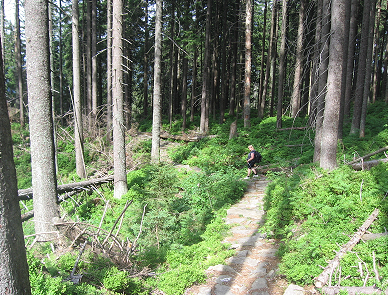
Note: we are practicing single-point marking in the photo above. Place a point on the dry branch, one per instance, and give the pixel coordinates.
(351, 290)
(184, 137)
(26, 194)
(322, 279)
(292, 128)
(368, 237)
(368, 155)
(367, 165)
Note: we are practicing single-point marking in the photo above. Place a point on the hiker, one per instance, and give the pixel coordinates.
(251, 160)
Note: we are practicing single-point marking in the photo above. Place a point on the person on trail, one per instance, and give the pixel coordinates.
(251, 160)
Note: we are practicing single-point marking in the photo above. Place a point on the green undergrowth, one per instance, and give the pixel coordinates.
(177, 216)
(314, 212)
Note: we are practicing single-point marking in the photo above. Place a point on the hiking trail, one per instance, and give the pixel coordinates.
(252, 271)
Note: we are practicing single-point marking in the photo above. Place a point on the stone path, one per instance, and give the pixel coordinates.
(252, 270)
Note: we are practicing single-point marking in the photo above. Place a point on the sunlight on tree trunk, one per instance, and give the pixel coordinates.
(156, 116)
(119, 155)
(44, 181)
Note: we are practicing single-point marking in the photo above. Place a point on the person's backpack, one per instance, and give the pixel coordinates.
(258, 157)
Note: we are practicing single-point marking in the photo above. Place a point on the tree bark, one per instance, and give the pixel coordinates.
(233, 67)
(44, 179)
(204, 122)
(19, 66)
(323, 69)
(94, 62)
(14, 277)
(295, 98)
(248, 62)
(78, 129)
(156, 115)
(270, 54)
(145, 62)
(350, 59)
(119, 155)
(109, 100)
(261, 102)
(368, 70)
(282, 57)
(357, 107)
(224, 83)
(334, 86)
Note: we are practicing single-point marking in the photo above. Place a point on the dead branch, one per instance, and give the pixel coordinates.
(367, 165)
(26, 194)
(368, 237)
(117, 220)
(292, 128)
(351, 290)
(322, 279)
(140, 230)
(368, 155)
(78, 258)
(377, 276)
(184, 137)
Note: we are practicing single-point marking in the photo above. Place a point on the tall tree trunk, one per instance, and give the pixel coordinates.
(14, 277)
(185, 68)
(145, 62)
(282, 57)
(19, 66)
(350, 58)
(119, 156)
(78, 129)
(271, 49)
(2, 31)
(248, 62)
(204, 122)
(368, 69)
(261, 103)
(44, 181)
(94, 63)
(60, 68)
(377, 61)
(233, 67)
(109, 71)
(172, 73)
(273, 65)
(194, 84)
(358, 96)
(224, 83)
(323, 70)
(334, 83)
(88, 65)
(156, 115)
(347, 9)
(295, 98)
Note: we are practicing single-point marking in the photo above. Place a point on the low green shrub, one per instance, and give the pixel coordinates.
(314, 212)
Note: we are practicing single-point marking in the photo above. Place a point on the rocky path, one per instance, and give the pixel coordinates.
(252, 271)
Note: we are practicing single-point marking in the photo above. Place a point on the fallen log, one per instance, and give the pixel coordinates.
(292, 128)
(367, 165)
(185, 138)
(322, 279)
(369, 237)
(368, 155)
(26, 194)
(351, 290)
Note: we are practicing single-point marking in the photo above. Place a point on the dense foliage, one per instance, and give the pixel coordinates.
(177, 212)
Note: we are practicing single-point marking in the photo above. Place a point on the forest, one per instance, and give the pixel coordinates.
(124, 127)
